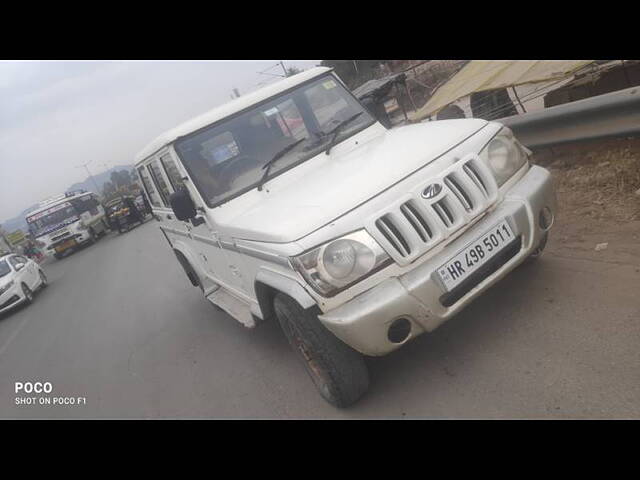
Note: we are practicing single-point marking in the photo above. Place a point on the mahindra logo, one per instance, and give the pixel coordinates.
(432, 191)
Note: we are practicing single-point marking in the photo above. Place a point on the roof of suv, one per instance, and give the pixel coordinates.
(227, 109)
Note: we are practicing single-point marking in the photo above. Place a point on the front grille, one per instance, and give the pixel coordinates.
(408, 230)
(60, 237)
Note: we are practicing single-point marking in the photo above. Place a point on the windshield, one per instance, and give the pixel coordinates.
(226, 159)
(4, 268)
(52, 219)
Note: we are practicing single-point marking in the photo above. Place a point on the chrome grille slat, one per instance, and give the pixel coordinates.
(393, 236)
(417, 221)
(459, 192)
(475, 177)
(443, 212)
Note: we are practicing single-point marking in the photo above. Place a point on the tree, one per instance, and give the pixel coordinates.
(108, 189)
(292, 71)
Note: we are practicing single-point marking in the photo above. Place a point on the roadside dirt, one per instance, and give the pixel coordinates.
(598, 188)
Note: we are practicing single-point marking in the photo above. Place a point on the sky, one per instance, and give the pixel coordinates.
(58, 115)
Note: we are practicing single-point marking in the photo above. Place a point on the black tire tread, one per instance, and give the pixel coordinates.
(344, 366)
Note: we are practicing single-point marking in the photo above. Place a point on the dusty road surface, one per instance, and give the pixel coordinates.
(121, 327)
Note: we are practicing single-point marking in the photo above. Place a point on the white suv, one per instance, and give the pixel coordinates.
(20, 277)
(294, 203)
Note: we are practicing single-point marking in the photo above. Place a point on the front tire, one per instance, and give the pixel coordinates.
(43, 280)
(28, 294)
(92, 236)
(338, 372)
(537, 253)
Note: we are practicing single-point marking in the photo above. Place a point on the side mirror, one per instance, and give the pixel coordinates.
(182, 205)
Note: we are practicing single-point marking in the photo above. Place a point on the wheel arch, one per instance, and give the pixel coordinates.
(188, 260)
(268, 283)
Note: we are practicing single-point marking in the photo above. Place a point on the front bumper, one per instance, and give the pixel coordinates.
(419, 295)
(11, 298)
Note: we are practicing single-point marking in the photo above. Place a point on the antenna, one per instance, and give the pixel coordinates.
(86, 167)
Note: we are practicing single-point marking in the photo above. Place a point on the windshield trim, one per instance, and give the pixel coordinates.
(282, 170)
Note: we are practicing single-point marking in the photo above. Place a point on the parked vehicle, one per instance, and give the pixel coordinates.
(20, 277)
(123, 213)
(65, 222)
(356, 238)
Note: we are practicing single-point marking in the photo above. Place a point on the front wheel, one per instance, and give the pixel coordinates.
(28, 294)
(338, 372)
(43, 280)
(92, 237)
(537, 253)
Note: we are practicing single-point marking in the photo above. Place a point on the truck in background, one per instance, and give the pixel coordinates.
(66, 222)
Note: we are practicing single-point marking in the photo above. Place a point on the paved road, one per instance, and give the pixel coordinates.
(121, 326)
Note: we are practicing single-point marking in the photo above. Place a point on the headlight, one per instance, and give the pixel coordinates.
(504, 155)
(6, 287)
(340, 263)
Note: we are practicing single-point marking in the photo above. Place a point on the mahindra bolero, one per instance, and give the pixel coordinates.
(293, 203)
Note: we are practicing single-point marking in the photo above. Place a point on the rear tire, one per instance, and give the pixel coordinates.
(338, 371)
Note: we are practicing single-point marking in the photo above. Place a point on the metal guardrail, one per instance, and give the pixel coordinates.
(610, 115)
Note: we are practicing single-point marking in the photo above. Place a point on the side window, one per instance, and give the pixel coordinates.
(16, 260)
(172, 172)
(163, 188)
(153, 196)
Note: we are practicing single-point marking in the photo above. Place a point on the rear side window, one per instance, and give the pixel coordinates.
(154, 198)
(163, 188)
(172, 172)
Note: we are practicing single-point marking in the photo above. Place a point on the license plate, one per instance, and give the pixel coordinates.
(68, 244)
(474, 255)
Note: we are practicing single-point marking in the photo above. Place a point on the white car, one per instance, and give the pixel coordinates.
(293, 203)
(20, 277)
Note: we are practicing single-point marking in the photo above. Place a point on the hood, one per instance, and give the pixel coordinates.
(316, 192)
(6, 279)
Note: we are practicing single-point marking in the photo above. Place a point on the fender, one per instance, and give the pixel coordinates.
(191, 257)
(267, 280)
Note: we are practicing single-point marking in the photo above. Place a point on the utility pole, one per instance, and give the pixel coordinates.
(86, 167)
(284, 70)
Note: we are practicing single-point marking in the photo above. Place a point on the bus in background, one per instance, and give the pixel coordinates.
(65, 222)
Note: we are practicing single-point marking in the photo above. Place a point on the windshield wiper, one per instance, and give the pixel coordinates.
(337, 128)
(267, 166)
